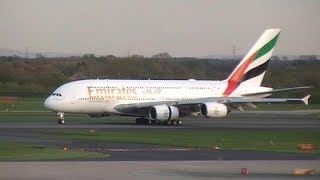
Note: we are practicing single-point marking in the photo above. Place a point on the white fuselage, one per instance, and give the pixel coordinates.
(100, 96)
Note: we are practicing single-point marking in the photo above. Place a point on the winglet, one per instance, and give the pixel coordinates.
(306, 99)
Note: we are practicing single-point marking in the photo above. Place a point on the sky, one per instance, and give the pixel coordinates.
(193, 28)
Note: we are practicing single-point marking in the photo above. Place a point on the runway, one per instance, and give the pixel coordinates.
(152, 161)
(34, 132)
(156, 170)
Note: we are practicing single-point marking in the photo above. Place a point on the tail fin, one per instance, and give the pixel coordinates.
(253, 66)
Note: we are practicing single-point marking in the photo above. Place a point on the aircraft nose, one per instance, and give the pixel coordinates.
(49, 104)
(53, 104)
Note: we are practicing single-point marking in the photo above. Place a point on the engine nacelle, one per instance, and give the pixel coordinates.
(163, 112)
(213, 109)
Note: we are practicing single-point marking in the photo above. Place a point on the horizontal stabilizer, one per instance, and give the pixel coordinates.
(276, 91)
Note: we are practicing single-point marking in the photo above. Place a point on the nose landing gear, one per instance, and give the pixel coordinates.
(61, 118)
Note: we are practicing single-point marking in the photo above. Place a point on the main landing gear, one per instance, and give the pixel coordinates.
(61, 118)
(142, 120)
(173, 122)
(146, 121)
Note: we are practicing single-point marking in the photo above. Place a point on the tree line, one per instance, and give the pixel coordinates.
(39, 76)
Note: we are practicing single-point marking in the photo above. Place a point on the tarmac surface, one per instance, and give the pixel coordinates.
(147, 161)
(157, 170)
(33, 132)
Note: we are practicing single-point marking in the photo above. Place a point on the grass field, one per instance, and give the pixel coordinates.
(36, 104)
(24, 104)
(10, 151)
(261, 140)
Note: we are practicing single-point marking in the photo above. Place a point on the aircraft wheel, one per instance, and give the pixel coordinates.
(138, 121)
(61, 117)
(142, 121)
(61, 121)
(145, 120)
(174, 122)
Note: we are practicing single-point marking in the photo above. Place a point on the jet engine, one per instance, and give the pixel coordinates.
(213, 110)
(163, 112)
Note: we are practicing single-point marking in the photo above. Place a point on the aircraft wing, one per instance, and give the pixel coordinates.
(235, 100)
(276, 91)
(222, 100)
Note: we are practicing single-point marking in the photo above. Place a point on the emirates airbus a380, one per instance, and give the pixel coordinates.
(165, 101)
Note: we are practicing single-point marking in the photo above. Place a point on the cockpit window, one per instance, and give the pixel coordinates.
(56, 94)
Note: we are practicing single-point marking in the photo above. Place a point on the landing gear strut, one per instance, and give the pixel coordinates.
(61, 118)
